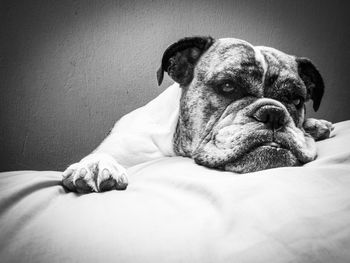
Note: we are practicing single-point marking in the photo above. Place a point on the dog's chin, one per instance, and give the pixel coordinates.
(262, 158)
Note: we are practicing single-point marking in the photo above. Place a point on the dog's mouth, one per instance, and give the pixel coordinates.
(268, 147)
(263, 156)
(258, 150)
(273, 145)
(266, 156)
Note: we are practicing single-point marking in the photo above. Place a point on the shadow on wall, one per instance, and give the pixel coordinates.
(70, 69)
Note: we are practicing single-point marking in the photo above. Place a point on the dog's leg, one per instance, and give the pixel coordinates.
(318, 129)
(142, 135)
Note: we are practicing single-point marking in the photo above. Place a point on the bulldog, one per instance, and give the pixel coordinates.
(234, 107)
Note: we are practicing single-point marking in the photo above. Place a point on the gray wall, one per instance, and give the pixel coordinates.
(70, 69)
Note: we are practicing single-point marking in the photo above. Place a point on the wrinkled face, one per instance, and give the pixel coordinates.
(243, 110)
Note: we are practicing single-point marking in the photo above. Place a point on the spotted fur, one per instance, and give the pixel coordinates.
(221, 130)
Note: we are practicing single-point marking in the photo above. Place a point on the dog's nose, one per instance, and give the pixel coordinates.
(272, 116)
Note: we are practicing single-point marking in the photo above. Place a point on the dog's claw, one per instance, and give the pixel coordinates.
(83, 172)
(67, 172)
(95, 173)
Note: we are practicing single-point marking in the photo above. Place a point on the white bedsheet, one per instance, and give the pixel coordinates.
(177, 211)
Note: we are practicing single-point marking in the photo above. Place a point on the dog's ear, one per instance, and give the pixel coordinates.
(312, 79)
(180, 58)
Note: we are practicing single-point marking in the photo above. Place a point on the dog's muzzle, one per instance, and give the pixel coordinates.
(259, 136)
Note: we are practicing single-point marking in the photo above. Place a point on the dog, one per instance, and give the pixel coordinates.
(234, 107)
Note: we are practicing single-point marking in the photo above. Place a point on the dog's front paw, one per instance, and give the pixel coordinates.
(97, 172)
(318, 129)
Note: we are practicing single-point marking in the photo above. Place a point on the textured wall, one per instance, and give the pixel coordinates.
(70, 69)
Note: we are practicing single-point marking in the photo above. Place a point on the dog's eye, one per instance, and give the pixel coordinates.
(298, 102)
(227, 88)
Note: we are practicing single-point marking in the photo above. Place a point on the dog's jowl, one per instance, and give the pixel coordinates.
(241, 108)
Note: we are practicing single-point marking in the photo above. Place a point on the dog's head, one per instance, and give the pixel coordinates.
(242, 106)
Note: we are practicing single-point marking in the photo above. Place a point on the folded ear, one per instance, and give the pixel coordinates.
(180, 58)
(312, 79)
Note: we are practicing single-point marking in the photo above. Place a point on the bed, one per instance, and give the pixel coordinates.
(177, 211)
